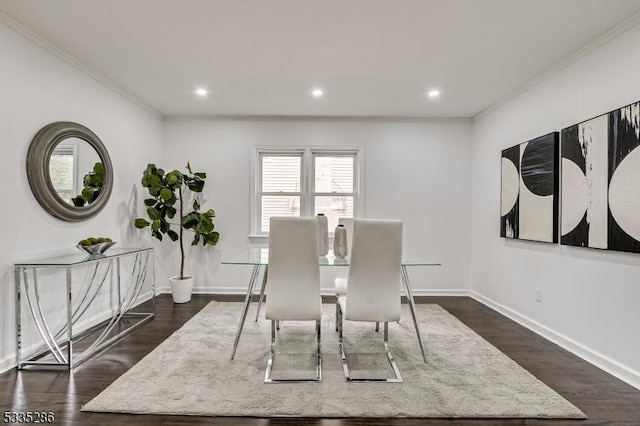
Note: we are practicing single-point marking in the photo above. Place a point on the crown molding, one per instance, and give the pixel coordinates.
(26, 32)
(605, 38)
(319, 118)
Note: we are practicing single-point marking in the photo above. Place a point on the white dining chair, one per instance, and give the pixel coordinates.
(373, 289)
(293, 281)
(342, 272)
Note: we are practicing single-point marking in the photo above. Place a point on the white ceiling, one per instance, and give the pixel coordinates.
(371, 57)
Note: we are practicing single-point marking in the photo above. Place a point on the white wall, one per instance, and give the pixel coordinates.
(37, 88)
(414, 171)
(589, 298)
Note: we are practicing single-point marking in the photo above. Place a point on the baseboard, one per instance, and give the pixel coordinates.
(10, 362)
(324, 291)
(616, 369)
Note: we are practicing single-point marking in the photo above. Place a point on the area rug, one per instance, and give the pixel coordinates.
(190, 373)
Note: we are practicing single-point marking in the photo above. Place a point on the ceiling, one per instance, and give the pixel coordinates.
(374, 58)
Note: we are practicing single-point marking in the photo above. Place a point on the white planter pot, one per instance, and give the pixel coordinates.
(181, 289)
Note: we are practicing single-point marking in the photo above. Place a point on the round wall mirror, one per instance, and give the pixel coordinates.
(69, 171)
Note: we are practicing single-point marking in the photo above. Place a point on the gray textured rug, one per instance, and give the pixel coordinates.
(190, 373)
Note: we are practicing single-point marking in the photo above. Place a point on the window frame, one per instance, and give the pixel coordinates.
(307, 182)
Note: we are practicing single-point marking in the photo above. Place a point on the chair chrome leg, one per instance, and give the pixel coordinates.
(337, 309)
(272, 354)
(319, 351)
(377, 326)
(392, 361)
(394, 366)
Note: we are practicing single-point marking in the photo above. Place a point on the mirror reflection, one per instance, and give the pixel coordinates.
(76, 172)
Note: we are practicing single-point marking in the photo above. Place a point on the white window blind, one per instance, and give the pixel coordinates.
(333, 192)
(62, 170)
(281, 186)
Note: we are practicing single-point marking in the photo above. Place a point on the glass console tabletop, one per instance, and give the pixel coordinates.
(78, 258)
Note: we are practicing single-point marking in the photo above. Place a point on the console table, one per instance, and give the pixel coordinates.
(102, 275)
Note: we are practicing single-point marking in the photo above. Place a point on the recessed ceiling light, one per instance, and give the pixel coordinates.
(433, 93)
(202, 92)
(317, 93)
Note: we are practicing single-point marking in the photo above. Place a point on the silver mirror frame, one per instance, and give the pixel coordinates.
(38, 156)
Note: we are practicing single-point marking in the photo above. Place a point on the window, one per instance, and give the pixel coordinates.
(305, 182)
(62, 169)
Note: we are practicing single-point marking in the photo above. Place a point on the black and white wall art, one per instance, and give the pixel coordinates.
(601, 181)
(529, 207)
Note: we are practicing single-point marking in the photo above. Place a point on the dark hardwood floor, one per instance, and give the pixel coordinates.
(604, 399)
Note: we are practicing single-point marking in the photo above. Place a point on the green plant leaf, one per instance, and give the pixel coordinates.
(166, 194)
(201, 175)
(78, 201)
(150, 202)
(154, 191)
(171, 179)
(165, 226)
(141, 223)
(196, 240)
(171, 212)
(157, 235)
(195, 185)
(98, 168)
(96, 194)
(155, 225)
(196, 204)
(189, 221)
(205, 225)
(153, 213)
(173, 235)
(87, 194)
(212, 238)
(171, 201)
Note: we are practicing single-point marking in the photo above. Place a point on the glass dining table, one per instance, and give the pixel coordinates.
(259, 257)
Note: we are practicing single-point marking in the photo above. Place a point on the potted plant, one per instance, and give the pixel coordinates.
(93, 183)
(167, 192)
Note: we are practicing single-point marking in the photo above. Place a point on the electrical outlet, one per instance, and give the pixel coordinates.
(538, 295)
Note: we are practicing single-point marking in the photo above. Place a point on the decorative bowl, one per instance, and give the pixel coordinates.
(94, 249)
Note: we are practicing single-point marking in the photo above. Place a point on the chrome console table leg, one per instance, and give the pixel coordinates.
(69, 320)
(407, 289)
(18, 313)
(33, 301)
(247, 301)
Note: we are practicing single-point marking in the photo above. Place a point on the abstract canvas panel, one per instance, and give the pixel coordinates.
(601, 181)
(529, 206)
